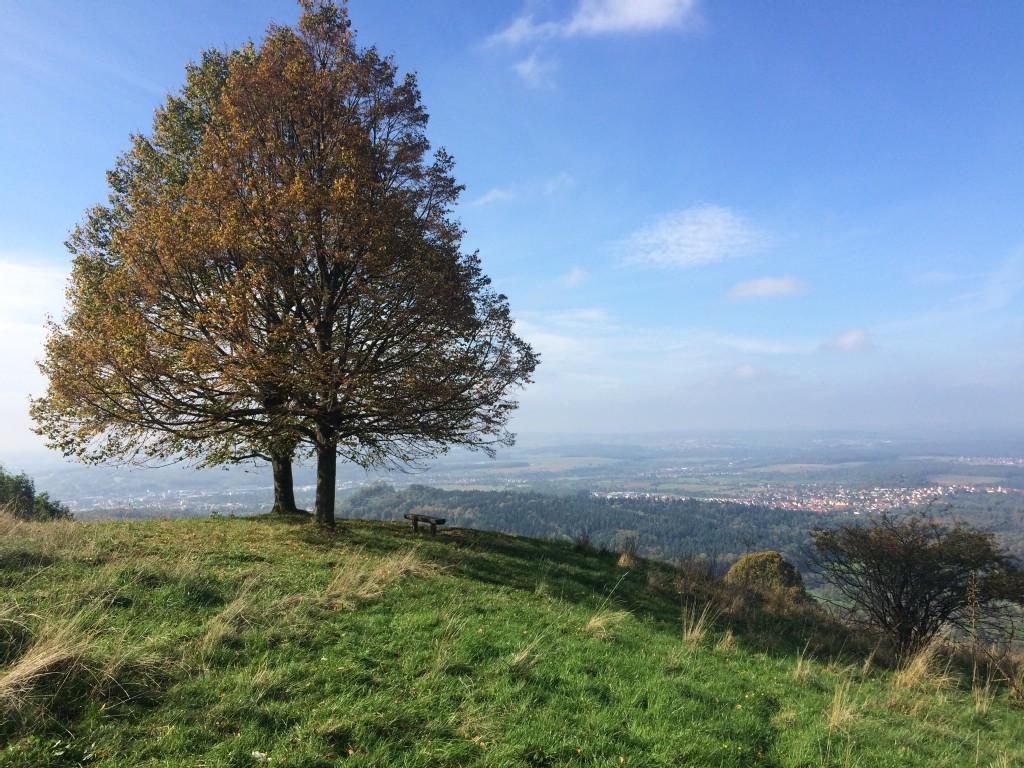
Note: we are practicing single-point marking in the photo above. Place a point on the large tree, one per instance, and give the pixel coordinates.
(322, 187)
(127, 380)
(311, 254)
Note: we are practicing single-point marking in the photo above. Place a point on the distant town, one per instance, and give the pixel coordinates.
(830, 499)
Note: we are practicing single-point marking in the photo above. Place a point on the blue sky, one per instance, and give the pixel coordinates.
(705, 214)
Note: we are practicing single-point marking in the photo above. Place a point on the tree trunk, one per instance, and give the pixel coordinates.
(326, 474)
(284, 487)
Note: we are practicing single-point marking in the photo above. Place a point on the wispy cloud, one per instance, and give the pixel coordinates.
(849, 341)
(574, 277)
(549, 187)
(495, 195)
(767, 287)
(601, 17)
(702, 235)
(536, 71)
(991, 293)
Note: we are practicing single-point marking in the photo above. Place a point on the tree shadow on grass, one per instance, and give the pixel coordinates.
(651, 591)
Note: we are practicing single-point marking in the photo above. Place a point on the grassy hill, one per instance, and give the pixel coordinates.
(258, 641)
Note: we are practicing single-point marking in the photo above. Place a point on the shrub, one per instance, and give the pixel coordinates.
(910, 578)
(765, 571)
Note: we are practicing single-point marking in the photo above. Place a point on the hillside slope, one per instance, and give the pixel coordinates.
(246, 642)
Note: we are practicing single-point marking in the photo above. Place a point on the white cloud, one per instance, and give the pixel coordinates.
(702, 235)
(766, 287)
(496, 195)
(849, 341)
(535, 71)
(601, 17)
(574, 277)
(524, 29)
(597, 17)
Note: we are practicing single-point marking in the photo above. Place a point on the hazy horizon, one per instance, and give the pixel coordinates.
(706, 216)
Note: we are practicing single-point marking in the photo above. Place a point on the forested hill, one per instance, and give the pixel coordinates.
(663, 530)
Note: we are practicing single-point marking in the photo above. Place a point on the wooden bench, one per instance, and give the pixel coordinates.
(429, 519)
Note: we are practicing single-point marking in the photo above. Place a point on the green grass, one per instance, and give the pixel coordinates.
(230, 642)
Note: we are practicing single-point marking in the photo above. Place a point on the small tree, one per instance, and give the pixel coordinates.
(19, 497)
(909, 578)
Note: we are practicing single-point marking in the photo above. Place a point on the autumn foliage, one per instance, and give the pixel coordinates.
(279, 270)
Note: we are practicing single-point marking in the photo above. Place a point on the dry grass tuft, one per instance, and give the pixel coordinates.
(840, 712)
(869, 662)
(627, 553)
(360, 578)
(983, 693)
(627, 560)
(69, 662)
(697, 621)
(802, 670)
(924, 669)
(58, 652)
(726, 643)
(602, 624)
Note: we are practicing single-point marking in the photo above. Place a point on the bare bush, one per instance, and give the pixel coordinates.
(911, 578)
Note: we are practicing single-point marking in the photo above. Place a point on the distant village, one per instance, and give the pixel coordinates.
(813, 498)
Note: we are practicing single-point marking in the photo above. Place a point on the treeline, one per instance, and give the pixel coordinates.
(18, 497)
(664, 530)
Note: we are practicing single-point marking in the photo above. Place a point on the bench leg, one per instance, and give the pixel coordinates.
(433, 529)
(415, 525)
